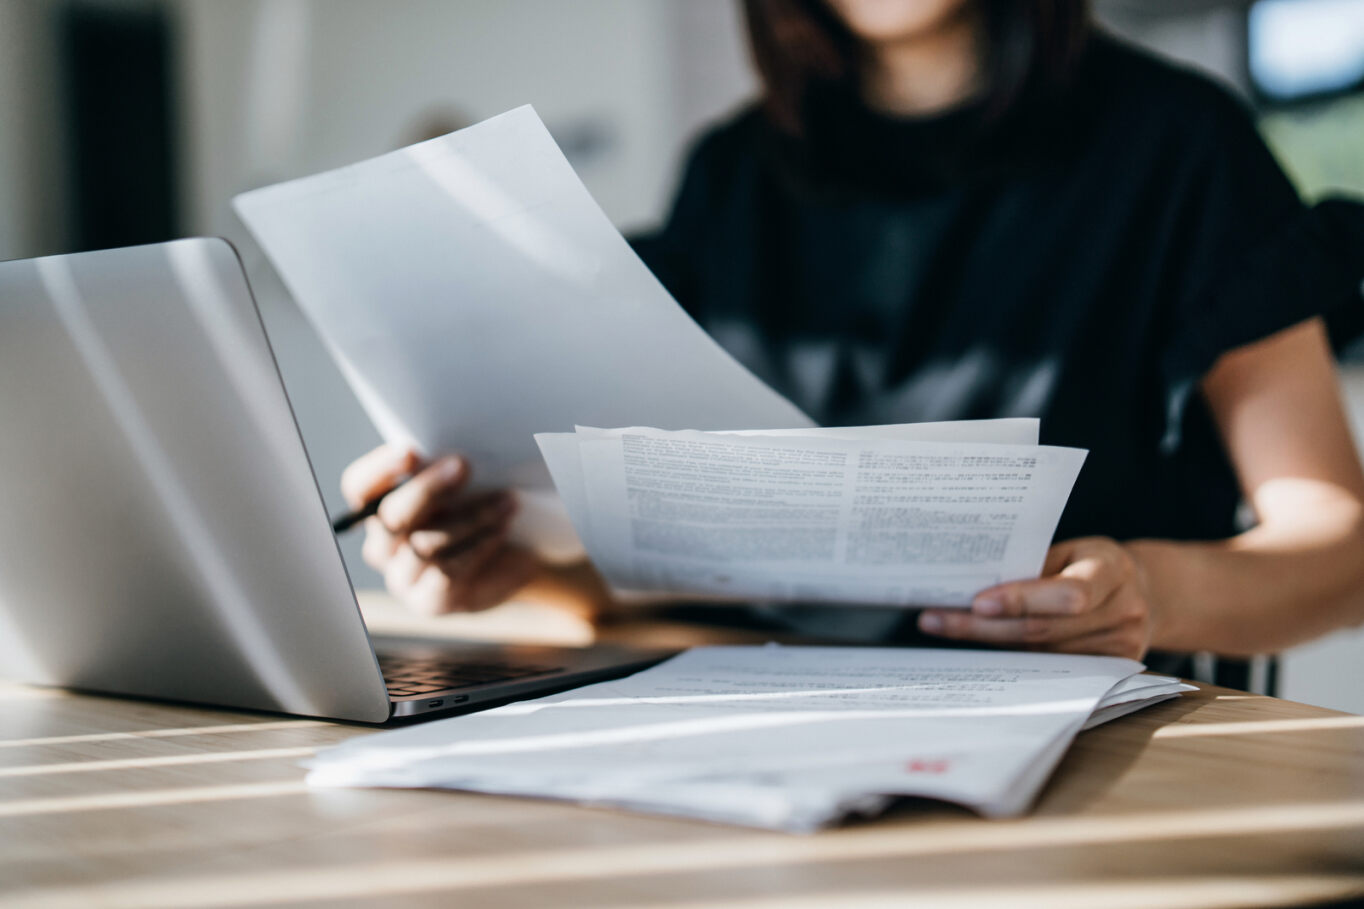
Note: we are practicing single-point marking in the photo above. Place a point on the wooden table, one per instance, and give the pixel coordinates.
(1219, 798)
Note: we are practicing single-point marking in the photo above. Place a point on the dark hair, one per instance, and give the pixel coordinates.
(797, 44)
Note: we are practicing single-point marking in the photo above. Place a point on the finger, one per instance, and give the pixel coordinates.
(464, 526)
(962, 625)
(439, 587)
(1058, 556)
(1119, 642)
(1090, 576)
(1127, 620)
(402, 570)
(462, 564)
(510, 570)
(1006, 599)
(408, 506)
(1053, 596)
(484, 578)
(376, 472)
(1100, 568)
(430, 594)
(379, 545)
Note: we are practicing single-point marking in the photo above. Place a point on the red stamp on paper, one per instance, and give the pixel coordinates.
(924, 765)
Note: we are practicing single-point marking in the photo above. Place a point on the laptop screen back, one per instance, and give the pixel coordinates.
(161, 531)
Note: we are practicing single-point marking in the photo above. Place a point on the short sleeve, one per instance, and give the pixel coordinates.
(1255, 261)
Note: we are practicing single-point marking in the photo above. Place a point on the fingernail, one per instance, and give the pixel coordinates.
(990, 605)
(451, 469)
(930, 621)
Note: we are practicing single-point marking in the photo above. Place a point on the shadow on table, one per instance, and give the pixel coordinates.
(1099, 758)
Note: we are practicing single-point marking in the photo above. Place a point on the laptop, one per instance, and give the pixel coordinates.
(162, 533)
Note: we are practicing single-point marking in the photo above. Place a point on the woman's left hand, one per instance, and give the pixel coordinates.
(1091, 598)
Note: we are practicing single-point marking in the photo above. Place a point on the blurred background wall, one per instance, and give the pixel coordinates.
(126, 121)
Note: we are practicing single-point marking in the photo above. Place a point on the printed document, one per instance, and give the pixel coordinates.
(900, 516)
(791, 738)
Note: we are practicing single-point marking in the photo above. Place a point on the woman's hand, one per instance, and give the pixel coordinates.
(1091, 598)
(440, 548)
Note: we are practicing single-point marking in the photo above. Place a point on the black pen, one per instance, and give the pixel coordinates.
(352, 518)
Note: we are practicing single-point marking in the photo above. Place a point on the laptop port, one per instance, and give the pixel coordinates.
(436, 703)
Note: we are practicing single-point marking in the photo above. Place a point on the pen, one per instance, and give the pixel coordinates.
(352, 518)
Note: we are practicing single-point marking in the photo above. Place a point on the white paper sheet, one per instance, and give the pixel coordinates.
(808, 517)
(560, 450)
(473, 294)
(1133, 694)
(792, 738)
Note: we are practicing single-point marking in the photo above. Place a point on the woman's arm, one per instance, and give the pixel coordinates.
(1298, 574)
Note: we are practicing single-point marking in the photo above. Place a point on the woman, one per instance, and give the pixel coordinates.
(947, 209)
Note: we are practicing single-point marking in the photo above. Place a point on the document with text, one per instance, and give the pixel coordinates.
(912, 515)
(790, 738)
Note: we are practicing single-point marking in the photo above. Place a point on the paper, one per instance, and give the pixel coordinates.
(560, 450)
(791, 738)
(1134, 694)
(473, 294)
(899, 516)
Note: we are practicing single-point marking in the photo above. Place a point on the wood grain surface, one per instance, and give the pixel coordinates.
(1217, 799)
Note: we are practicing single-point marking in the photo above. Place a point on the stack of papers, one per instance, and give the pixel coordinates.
(906, 515)
(786, 738)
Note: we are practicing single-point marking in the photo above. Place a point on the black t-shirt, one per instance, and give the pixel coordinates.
(1084, 260)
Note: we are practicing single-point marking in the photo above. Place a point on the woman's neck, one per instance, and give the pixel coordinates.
(926, 74)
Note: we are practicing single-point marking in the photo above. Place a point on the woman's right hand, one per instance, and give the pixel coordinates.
(439, 547)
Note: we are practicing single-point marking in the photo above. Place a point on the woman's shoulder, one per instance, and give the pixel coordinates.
(735, 132)
(1133, 90)
(726, 151)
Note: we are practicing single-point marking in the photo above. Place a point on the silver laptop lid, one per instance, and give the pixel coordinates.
(161, 531)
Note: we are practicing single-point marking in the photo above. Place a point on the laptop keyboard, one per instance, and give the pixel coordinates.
(406, 676)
